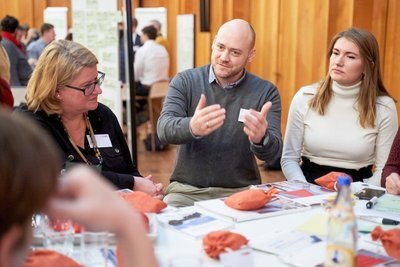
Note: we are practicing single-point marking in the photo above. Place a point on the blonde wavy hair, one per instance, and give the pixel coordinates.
(57, 66)
(371, 86)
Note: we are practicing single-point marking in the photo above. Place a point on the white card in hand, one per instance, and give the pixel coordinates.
(242, 113)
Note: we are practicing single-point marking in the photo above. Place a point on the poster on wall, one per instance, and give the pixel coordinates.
(58, 17)
(95, 25)
(185, 42)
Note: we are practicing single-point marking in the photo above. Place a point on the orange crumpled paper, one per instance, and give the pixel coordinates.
(216, 242)
(143, 201)
(329, 180)
(250, 199)
(49, 258)
(390, 240)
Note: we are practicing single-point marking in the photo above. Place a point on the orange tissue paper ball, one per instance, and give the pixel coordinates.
(329, 180)
(143, 201)
(390, 240)
(49, 258)
(216, 242)
(250, 199)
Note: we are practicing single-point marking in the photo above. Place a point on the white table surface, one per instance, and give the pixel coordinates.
(170, 243)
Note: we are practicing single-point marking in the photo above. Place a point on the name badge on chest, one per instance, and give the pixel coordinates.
(102, 140)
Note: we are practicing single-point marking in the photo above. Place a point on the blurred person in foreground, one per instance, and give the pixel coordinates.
(29, 184)
(62, 97)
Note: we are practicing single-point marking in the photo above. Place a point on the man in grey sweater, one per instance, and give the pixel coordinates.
(221, 116)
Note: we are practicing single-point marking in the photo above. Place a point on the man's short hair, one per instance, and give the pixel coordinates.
(9, 24)
(46, 27)
(150, 31)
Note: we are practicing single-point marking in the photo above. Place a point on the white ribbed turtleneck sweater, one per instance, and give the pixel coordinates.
(337, 138)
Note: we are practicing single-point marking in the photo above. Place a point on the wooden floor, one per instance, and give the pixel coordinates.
(161, 164)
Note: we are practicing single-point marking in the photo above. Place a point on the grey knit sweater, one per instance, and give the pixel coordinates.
(225, 158)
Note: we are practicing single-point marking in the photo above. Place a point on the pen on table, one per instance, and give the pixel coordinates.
(371, 202)
(390, 222)
(379, 220)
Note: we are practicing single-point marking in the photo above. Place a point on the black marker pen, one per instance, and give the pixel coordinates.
(371, 202)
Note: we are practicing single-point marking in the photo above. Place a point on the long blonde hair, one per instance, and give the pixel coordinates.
(371, 86)
(57, 66)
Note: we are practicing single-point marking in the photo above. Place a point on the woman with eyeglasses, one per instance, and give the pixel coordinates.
(62, 97)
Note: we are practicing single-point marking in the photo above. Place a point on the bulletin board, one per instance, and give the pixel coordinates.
(185, 42)
(95, 26)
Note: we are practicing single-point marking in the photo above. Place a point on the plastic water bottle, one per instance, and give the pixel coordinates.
(341, 247)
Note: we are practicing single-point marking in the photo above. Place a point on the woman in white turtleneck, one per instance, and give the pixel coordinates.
(345, 123)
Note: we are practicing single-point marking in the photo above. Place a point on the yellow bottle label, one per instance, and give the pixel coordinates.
(339, 256)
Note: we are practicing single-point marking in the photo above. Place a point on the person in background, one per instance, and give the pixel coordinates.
(4, 62)
(220, 116)
(391, 171)
(29, 185)
(35, 49)
(136, 39)
(31, 36)
(151, 62)
(19, 35)
(20, 70)
(6, 96)
(160, 39)
(136, 44)
(69, 35)
(24, 33)
(347, 122)
(62, 97)
(121, 53)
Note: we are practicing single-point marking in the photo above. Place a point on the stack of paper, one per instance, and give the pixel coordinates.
(306, 193)
(277, 206)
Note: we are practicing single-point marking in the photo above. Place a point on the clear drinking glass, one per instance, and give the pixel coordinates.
(58, 234)
(94, 248)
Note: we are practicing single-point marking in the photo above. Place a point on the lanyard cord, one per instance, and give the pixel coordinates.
(94, 143)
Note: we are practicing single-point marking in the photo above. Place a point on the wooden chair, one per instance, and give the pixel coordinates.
(157, 91)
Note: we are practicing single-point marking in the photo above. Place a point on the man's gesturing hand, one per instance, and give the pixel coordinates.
(206, 119)
(255, 123)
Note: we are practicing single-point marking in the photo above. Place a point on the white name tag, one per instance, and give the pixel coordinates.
(102, 140)
(239, 258)
(242, 113)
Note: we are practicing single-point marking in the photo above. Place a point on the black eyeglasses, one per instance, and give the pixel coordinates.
(89, 88)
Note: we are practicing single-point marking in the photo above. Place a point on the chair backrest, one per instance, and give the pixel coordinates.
(159, 89)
